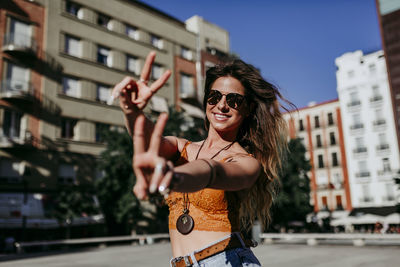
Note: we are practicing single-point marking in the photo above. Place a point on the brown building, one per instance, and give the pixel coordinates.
(389, 20)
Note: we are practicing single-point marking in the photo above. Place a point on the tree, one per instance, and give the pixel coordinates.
(74, 201)
(293, 199)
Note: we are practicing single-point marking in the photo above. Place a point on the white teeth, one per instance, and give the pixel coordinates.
(220, 116)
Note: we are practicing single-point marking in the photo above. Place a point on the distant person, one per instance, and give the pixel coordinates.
(220, 185)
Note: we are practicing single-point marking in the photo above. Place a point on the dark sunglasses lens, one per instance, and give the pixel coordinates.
(214, 97)
(234, 100)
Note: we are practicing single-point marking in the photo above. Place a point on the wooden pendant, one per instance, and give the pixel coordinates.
(185, 223)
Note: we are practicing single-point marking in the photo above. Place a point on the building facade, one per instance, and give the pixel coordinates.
(368, 125)
(58, 63)
(319, 127)
(389, 20)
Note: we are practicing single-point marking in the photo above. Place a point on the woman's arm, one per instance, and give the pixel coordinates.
(202, 173)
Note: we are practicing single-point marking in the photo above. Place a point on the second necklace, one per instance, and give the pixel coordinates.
(185, 222)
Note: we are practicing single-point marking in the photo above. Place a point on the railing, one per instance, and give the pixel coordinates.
(360, 150)
(11, 87)
(379, 122)
(141, 239)
(19, 42)
(363, 174)
(382, 147)
(375, 98)
(313, 239)
(357, 126)
(354, 103)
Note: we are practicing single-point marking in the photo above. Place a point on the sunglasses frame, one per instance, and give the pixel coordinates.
(229, 97)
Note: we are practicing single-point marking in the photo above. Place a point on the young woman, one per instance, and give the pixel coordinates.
(220, 185)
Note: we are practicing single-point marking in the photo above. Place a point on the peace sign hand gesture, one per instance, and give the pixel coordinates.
(134, 95)
(152, 171)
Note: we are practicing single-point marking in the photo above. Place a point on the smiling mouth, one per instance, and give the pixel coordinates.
(221, 117)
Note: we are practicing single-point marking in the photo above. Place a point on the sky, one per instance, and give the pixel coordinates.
(293, 42)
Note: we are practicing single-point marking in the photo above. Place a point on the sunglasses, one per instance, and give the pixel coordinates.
(232, 99)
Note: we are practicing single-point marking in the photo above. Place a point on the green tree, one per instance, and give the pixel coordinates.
(293, 199)
(74, 201)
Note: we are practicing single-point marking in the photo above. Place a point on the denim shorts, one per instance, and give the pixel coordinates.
(234, 257)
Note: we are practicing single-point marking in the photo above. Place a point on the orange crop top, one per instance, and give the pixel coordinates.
(211, 209)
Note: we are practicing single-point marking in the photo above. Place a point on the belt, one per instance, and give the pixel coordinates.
(226, 244)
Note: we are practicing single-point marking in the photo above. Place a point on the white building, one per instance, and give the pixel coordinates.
(370, 139)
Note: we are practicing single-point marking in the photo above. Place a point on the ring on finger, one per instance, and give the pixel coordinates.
(143, 81)
(164, 191)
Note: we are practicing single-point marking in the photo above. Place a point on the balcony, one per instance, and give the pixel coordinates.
(18, 43)
(388, 198)
(382, 147)
(354, 103)
(379, 122)
(357, 126)
(359, 150)
(14, 139)
(366, 199)
(11, 89)
(375, 98)
(363, 174)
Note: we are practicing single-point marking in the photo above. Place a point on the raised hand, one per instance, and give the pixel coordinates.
(152, 171)
(134, 95)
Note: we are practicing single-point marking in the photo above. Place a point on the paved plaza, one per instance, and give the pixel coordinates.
(277, 255)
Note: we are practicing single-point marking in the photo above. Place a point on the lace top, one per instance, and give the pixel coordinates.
(211, 209)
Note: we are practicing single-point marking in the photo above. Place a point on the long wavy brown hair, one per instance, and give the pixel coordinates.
(263, 134)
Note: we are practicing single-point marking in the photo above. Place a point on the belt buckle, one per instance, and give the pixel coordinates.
(187, 261)
(175, 260)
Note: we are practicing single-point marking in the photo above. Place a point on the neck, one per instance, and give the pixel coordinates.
(219, 139)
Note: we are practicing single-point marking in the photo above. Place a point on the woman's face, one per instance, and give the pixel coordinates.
(228, 113)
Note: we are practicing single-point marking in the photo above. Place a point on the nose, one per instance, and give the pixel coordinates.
(222, 105)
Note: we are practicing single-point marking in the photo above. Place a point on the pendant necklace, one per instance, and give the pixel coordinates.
(185, 222)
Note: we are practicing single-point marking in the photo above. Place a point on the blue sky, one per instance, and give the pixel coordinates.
(293, 42)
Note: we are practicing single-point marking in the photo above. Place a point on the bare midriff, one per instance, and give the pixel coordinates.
(185, 244)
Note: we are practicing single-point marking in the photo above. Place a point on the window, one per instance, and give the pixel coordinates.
(103, 93)
(376, 95)
(362, 169)
(20, 33)
(379, 120)
(301, 126)
(71, 87)
(356, 122)
(366, 193)
(360, 148)
(66, 174)
(10, 171)
(156, 41)
(330, 119)
(354, 99)
(334, 159)
(187, 86)
(186, 53)
(103, 55)
(132, 32)
(103, 21)
(386, 165)
(383, 145)
(132, 64)
(73, 46)
(11, 124)
(67, 128)
(74, 9)
(320, 161)
(17, 78)
(339, 205)
(332, 138)
(156, 71)
(319, 142)
(372, 68)
(316, 121)
(390, 194)
(324, 203)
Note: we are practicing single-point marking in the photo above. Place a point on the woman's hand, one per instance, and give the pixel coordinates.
(134, 95)
(152, 171)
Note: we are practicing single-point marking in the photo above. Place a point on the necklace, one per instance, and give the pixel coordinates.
(185, 222)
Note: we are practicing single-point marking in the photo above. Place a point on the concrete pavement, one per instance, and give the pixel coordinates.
(277, 255)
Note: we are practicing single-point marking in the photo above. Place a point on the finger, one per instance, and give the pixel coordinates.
(160, 82)
(141, 186)
(165, 183)
(155, 140)
(116, 91)
(147, 66)
(138, 135)
(158, 174)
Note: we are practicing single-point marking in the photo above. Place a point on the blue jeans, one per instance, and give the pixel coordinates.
(234, 257)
